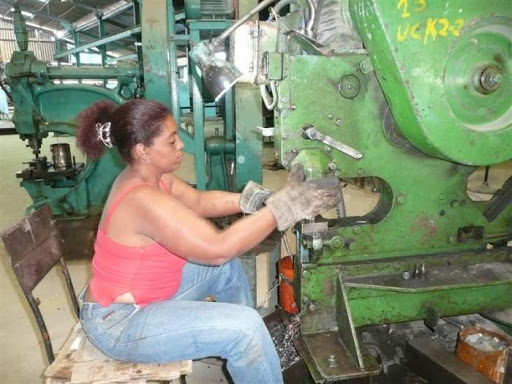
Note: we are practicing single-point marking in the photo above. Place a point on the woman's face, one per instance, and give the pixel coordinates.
(165, 151)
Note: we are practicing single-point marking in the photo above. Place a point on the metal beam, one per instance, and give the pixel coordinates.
(160, 57)
(102, 41)
(115, 23)
(125, 57)
(114, 43)
(94, 22)
(85, 6)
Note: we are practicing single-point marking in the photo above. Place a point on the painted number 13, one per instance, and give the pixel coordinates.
(403, 5)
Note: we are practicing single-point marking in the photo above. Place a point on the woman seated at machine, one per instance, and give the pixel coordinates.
(157, 256)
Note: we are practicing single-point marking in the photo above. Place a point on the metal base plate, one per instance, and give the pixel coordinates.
(329, 360)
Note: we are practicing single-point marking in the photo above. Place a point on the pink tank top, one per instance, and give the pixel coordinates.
(150, 273)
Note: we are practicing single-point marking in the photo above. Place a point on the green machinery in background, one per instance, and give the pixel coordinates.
(412, 94)
(48, 98)
(46, 102)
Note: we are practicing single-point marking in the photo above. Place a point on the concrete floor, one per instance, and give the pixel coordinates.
(22, 357)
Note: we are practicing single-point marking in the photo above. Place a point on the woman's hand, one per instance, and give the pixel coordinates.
(253, 197)
(301, 199)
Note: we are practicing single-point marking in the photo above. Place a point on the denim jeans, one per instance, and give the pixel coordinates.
(187, 327)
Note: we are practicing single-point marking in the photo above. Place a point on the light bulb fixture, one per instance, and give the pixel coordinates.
(218, 75)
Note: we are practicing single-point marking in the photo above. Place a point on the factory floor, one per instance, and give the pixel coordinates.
(22, 357)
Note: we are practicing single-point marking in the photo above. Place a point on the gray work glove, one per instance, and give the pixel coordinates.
(253, 196)
(301, 199)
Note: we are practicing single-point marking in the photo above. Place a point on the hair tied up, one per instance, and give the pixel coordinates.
(103, 131)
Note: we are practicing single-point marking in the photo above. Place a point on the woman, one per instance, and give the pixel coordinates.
(157, 257)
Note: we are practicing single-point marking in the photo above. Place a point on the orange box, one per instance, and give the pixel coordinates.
(490, 363)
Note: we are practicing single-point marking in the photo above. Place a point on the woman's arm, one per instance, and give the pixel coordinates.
(184, 232)
(204, 203)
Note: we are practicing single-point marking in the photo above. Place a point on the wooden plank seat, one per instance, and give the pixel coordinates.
(79, 362)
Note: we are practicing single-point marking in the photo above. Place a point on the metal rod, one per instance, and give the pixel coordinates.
(125, 57)
(94, 21)
(105, 40)
(90, 72)
(246, 17)
(173, 62)
(94, 36)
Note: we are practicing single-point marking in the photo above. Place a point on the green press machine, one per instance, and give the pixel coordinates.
(413, 95)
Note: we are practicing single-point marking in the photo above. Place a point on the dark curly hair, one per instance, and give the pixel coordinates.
(136, 121)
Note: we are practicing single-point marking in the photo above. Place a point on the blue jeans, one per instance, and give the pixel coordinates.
(186, 327)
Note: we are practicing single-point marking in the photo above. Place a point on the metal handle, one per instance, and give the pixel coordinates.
(312, 133)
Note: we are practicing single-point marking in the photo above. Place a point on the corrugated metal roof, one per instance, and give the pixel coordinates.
(41, 42)
(58, 15)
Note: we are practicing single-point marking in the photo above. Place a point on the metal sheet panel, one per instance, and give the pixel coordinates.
(249, 42)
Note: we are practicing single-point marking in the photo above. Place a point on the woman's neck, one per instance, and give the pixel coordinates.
(144, 173)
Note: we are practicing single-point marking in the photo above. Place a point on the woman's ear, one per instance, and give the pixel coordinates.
(140, 152)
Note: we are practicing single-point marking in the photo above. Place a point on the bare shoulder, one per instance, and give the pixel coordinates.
(179, 188)
(172, 181)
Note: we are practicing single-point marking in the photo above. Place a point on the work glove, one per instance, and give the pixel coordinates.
(301, 199)
(253, 196)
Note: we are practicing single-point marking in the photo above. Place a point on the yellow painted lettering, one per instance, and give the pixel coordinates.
(444, 27)
(420, 5)
(401, 36)
(458, 25)
(430, 30)
(414, 31)
(404, 5)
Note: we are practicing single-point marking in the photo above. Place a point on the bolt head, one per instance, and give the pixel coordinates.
(400, 199)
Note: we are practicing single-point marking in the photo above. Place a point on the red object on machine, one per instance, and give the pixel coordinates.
(286, 295)
(489, 361)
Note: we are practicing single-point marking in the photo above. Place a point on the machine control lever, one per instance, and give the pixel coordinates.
(310, 132)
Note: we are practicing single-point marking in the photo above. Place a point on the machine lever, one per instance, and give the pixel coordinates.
(310, 132)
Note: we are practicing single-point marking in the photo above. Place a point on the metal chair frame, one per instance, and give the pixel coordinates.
(34, 247)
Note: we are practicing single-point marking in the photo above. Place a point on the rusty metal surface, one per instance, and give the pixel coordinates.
(438, 278)
(437, 365)
(27, 234)
(79, 236)
(333, 361)
(38, 262)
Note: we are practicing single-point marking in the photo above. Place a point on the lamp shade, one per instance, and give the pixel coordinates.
(218, 75)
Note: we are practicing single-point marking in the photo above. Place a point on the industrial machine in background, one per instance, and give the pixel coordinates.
(412, 95)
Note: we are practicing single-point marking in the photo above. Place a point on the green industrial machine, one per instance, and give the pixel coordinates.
(412, 95)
